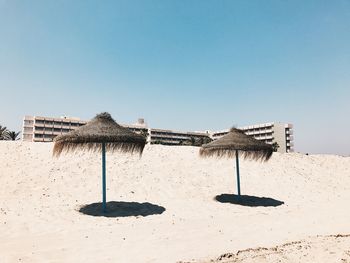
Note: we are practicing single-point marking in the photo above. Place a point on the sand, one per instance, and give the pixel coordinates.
(332, 248)
(165, 208)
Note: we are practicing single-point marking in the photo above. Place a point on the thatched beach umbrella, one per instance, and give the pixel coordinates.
(100, 134)
(236, 143)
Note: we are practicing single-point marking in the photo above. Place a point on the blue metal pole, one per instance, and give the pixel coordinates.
(237, 171)
(104, 177)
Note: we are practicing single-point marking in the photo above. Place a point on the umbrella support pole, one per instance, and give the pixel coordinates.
(104, 177)
(237, 171)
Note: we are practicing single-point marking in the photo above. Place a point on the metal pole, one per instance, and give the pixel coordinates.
(237, 171)
(104, 177)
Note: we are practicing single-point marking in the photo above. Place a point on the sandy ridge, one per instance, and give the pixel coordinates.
(331, 248)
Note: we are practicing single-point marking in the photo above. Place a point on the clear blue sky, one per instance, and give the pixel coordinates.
(185, 65)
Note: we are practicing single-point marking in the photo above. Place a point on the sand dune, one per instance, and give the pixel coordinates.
(169, 206)
(330, 249)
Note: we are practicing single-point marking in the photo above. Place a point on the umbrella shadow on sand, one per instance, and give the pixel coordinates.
(248, 200)
(122, 209)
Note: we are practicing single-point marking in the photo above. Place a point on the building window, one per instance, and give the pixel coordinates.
(27, 122)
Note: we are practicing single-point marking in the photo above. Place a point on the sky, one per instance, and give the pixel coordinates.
(183, 65)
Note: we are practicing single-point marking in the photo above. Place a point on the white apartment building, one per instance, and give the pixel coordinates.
(271, 132)
(170, 137)
(44, 129)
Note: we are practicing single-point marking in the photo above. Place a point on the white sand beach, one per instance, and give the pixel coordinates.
(181, 220)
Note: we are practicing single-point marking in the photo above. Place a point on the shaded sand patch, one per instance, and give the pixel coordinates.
(247, 200)
(122, 209)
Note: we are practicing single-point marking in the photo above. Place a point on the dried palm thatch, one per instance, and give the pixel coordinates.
(237, 141)
(101, 129)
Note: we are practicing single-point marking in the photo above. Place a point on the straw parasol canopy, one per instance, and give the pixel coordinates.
(100, 130)
(100, 134)
(237, 142)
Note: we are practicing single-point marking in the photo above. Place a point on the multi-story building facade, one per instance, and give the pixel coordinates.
(44, 129)
(170, 137)
(270, 133)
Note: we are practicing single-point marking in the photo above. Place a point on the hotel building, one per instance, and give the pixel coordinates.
(270, 133)
(44, 129)
(170, 137)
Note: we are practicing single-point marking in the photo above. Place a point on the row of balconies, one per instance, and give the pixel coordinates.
(266, 137)
(176, 142)
(42, 139)
(51, 130)
(215, 135)
(258, 132)
(289, 132)
(28, 129)
(45, 135)
(258, 126)
(137, 129)
(289, 137)
(72, 125)
(157, 133)
(164, 137)
(248, 132)
(28, 124)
